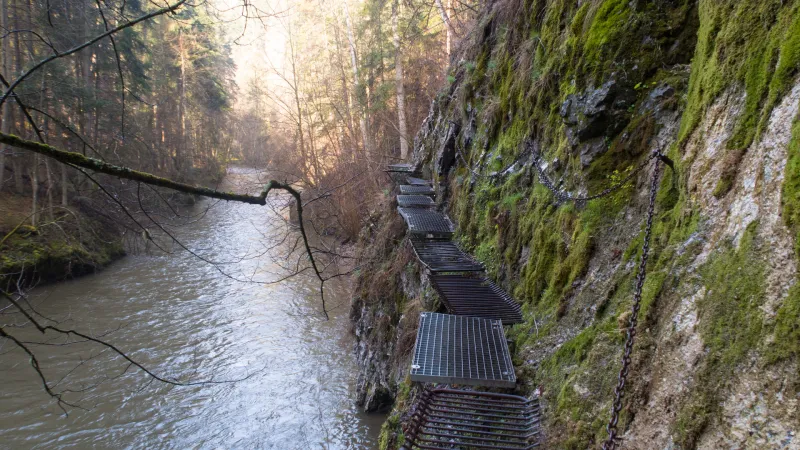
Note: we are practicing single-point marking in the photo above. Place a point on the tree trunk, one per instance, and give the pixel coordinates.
(83, 69)
(295, 86)
(18, 168)
(5, 66)
(45, 128)
(398, 78)
(362, 118)
(18, 161)
(35, 190)
(352, 139)
(447, 25)
(181, 109)
(49, 187)
(64, 180)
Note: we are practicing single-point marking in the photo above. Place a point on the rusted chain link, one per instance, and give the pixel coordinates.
(491, 175)
(567, 197)
(548, 183)
(619, 392)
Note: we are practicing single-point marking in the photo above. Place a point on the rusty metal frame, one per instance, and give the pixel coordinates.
(414, 189)
(470, 351)
(427, 223)
(415, 201)
(477, 297)
(399, 168)
(446, 418)
(414, 181)
(444, 256)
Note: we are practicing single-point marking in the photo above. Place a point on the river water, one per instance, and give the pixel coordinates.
(186, 320)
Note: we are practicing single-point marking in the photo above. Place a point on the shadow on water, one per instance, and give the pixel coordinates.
(186, 320)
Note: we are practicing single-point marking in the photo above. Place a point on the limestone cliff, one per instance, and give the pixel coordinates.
(591, 88)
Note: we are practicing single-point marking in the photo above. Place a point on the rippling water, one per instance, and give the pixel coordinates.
(185, 319)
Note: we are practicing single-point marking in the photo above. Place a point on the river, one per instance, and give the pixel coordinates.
(184, 319)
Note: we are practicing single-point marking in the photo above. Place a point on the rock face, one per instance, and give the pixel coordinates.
(376, 345)
(594, 116)
(390, 295)
(596, 88)
(446, 155)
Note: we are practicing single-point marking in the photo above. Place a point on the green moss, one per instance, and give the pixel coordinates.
(510, 201)
(731, 328)
(389, 430)
(735, 283)
(48, 255)
(790, 195)
(609, 23)
(753, 44)
(653, 286)
(573, 365)
(487, 253)
(573, 352)
(787, 329)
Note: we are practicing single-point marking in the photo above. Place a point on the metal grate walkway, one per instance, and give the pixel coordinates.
(427, 223)
(400, 168)
(415, 201)
(418, 181)
(444, 256)
(478, 297)
(408, 189)
(462, 350)
(457, 419)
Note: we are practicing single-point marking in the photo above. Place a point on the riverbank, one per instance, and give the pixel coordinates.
(66, 243)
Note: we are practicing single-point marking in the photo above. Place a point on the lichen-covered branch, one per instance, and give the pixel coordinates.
(85, 162)
(77, 159)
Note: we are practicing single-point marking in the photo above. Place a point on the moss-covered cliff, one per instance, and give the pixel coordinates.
(593, 87)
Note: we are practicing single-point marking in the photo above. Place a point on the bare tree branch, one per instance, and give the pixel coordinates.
(79, 160)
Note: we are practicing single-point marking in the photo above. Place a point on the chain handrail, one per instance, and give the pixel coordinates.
(493, 174)
(611, 442)
(619, 392)
(566, 196)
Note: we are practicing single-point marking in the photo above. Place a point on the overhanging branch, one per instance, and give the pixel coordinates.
(79, 160)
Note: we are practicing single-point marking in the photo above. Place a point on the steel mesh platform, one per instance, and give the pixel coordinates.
(444, 256)
(400, 168)
(415, 201)
(408, 189)
(418, 181)
(458, 419)
(428, 223)
(478, 297)
(462, 350)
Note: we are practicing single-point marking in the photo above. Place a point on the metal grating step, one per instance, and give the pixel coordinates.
(444, 256)
(428, 223)
(400, 168)
(460, 419)
(415, 201)
(418, 181)
(478, 297)
(408, 189)
(462, 350)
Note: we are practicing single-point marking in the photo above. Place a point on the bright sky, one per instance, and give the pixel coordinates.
(257, 45)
